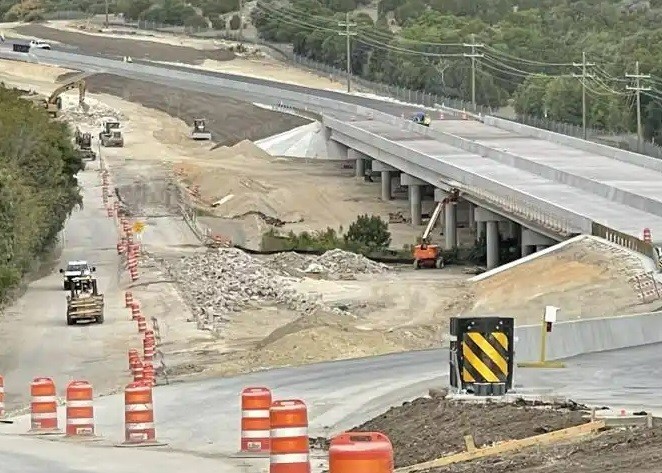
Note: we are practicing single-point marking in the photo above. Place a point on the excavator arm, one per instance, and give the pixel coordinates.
(68, 86)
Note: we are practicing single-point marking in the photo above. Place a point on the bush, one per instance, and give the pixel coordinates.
(235, 22)
(370, 232)
(38, 188)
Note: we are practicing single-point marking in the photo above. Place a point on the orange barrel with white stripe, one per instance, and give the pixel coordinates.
(110, 211)
(43, 405)
(255, 421)
(142, 324)
(137, 370)
(361, 452)
(80, 409)
(289, 437)
(149, 376)
(133, 272)
(128, 299)
(133, 355)
(149, 346)
(139, 414)
(2, 396)
(135, 310)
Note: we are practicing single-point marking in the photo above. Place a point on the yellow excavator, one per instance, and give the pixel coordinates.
(53, 104)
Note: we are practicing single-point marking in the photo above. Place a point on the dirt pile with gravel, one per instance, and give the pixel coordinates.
(430, 428)
(221, 282)
(333, 264)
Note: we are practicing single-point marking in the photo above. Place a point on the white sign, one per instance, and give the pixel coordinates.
(550, 313)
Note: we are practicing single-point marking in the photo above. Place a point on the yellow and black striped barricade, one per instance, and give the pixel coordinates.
(481, 354)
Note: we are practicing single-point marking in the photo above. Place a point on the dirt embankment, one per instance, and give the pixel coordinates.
(427, 429)
(119, 47)
(229, 120)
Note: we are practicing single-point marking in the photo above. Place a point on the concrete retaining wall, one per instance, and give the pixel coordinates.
(579, 337)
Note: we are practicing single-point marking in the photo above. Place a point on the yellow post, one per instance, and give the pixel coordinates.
(542, 363)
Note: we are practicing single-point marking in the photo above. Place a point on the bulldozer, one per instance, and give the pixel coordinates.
(427, 255)
(84, 301)
(111, 135)
(83, 142)
(199, 131)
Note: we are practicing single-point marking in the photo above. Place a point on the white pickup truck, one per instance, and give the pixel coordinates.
(76, 269)
(39, 44)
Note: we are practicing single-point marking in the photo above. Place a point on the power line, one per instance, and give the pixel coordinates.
(348, 34)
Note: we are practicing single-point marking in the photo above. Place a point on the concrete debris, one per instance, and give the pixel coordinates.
(335, 264)
(227, 280)
(91, 115)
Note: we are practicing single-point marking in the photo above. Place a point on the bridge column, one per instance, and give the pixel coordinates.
(357, 157)
(414, 185)
(386, 174)
(450, 219)
(491, 220)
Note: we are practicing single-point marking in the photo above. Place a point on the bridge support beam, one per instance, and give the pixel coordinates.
(387, 176)
(450, 224)
(359, 159)
(492, 234)
(414, 185)
(334, 150)
(531, 238)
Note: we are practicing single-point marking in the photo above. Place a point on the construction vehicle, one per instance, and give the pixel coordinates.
(83, 142)
(422, 119)
(53, 104)
(427, 255)
(199, 131)
(111, 135)
(74, 270)
(84, 301)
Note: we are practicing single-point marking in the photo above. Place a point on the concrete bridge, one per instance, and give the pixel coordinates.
(538, 186)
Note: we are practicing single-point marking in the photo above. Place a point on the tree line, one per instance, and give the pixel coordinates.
(38, 187)
(529, 51)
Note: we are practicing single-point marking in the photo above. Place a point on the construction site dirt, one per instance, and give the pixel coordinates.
(229, 120)
(430, 428)
(120, 47)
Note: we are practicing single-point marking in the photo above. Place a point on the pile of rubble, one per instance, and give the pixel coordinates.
(92, 114)
(333, 263)
(219, 282)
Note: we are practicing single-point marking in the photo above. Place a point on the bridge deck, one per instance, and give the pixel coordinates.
(614, 215)
(612, 172)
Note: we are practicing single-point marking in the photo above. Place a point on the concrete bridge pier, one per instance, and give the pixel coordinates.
(359, 166)
(491, 221)
(414, 186)
(533, 241)
(450, 219)
(387, 173)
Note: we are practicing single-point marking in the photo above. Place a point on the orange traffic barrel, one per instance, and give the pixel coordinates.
(137, 369)
(135, 310)
(43, 406)
(133, 355)
(289, 437)
(133, 272)
(2, 396)
(255, 422)
(142, 324)
(149, 345)
(139, 415)
(360, 452)
(128, 299)
(80, 409)
(149, 376)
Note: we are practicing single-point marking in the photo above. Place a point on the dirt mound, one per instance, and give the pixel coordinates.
(589, 277)
(613, 451)
(119, 47)
(230, 121)
(426, 429)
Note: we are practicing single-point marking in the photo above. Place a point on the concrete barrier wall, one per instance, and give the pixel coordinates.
(579, 337)
(589, 146)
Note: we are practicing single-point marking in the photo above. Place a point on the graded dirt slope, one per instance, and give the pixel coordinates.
(229, 120)
(88, 44)
(426, 429)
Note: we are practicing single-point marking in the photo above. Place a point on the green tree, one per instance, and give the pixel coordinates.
(235, 22)
(369, 231)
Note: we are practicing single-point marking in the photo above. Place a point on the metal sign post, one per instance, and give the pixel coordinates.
(548, 320)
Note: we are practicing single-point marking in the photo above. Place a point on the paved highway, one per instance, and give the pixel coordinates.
(201, 419)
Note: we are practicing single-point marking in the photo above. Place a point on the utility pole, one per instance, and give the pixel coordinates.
(639, 89)
(241, 21)
(347, 25)
(584, 75)
(473, 55)
(106, 13)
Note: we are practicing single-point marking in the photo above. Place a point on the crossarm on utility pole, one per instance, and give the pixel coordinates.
(584, 75)
(638, 89)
